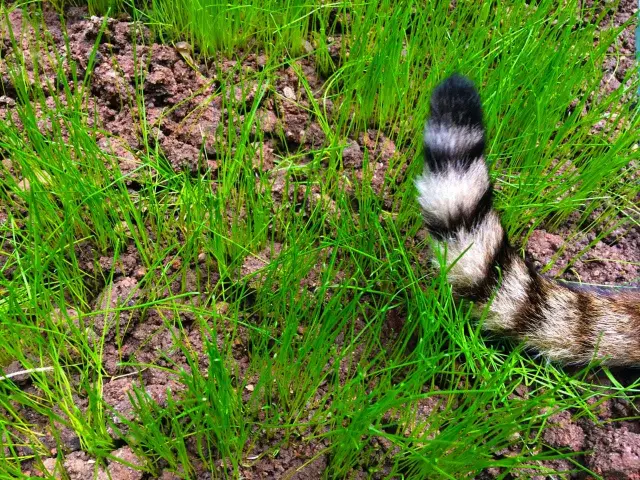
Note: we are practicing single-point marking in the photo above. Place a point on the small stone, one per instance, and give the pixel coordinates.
(6, 163)
(51, 467)
(58, 317)
(24, 185)
(261, 61)
(123, 228)
(222, 308)
(183, 47)
(140, 273)
(267, 121)
(7, 101)
(289, 93)
(307, 46)
(43, 177)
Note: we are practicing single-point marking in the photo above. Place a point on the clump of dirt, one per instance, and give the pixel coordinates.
(622, 447)
(563, 433)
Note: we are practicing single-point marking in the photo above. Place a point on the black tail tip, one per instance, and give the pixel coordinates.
(456, 101)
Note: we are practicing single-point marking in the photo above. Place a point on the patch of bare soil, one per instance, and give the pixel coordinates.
(188, 120)
(614, 260)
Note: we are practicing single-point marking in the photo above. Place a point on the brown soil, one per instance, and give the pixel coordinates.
(614, 260)
(186, 117)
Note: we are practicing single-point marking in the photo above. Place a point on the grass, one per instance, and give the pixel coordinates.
(323, 366)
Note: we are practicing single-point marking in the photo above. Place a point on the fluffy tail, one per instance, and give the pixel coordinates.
(566, 323)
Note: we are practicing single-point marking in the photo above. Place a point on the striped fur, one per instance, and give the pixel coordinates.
(568, 323)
